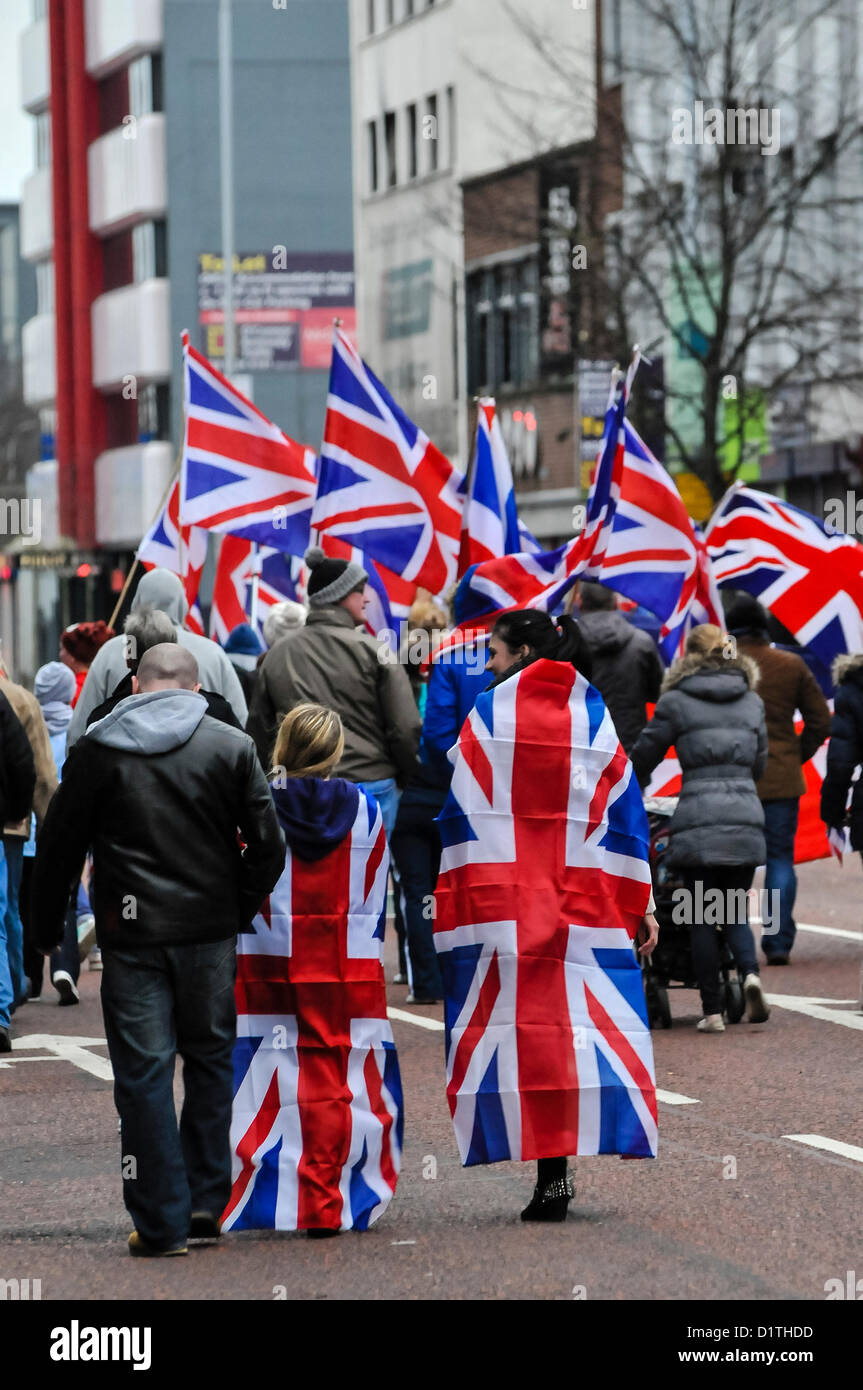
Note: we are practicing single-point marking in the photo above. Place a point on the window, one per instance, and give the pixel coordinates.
(413, 133)
(145, 85)
(43, 140)
(430, 131)
(503, 325)
(450, 120)
(149, 251)
(390, 148)
(372, 131)
(409, 9)
(45, 287)
(154, 413)
(370, 17)
(40, 9)
(391, 12)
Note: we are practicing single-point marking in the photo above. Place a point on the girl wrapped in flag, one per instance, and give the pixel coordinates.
(316, 1129)
(544, 886)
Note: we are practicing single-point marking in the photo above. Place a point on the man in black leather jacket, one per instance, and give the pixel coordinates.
(163, 793)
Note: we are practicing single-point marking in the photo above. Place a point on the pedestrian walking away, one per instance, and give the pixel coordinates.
(162, 791)
(161, 589)
(17, 783)
(544, 877)
(627, 668)
(710, 712)
(786, 685)
(316, 1133)
(332, 662)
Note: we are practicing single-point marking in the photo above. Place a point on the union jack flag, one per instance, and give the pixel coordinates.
(490, 524)
(240, 473)
(653, 555)
(542, 579)
(317, 1123)
(278, 579)
(180, 549)
(544, 881)
(810, 578)
(383, 486)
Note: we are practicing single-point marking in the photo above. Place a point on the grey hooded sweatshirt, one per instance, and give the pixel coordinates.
(164, 591)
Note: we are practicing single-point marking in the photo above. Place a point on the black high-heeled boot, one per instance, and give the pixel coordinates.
(552, 1194)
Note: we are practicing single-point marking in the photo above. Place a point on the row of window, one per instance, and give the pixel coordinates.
(406, 145)
(503, 325)
(380, 14)
(128, 258)
(133, 91)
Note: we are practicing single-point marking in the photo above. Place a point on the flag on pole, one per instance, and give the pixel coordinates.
(490, 525)
(809, 578)
(180, 549)
(240, 473)
(232, 588)
(382, 485)
(542, 580)
(544, 881)
(653, 554)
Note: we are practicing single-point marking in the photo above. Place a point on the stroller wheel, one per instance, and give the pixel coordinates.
(735, 1004)
(658, 1008)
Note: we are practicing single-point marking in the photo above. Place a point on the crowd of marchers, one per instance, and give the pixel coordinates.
(155, 788)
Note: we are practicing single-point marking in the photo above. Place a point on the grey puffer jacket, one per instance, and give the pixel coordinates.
(710, 712)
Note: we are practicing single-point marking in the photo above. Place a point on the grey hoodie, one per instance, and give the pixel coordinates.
(155, 722)
(164, 591)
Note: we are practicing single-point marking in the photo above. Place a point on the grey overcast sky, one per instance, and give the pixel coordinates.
(16, 127)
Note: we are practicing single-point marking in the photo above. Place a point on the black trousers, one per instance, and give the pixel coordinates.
(728, 880)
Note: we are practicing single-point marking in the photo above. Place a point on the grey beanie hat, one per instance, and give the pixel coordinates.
(331, 580)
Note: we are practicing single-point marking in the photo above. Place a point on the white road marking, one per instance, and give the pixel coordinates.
(674, 1098)
(823, 931)
(66, 1049)
(806, 1006)
(404, 1017)
(833, 1146)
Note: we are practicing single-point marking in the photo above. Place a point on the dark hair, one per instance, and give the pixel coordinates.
(558, 641)
(595, 598)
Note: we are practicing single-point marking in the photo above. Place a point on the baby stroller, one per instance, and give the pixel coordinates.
(671, 967)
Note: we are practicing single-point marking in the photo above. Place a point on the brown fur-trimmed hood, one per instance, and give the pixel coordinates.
(697, 663)
(845, 667)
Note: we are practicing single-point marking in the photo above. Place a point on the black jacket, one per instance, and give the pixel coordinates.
(845, 749)
(160, 791)
(17, 768)
(217, 705)
(627, 670)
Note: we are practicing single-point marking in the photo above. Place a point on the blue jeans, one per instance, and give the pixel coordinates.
(386, 794)
(158, 1001)
(780, 827)
(7, 991)
(416, 850)
(13, 849)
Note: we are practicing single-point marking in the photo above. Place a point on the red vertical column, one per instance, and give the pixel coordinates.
(64, 442)
(85, 260)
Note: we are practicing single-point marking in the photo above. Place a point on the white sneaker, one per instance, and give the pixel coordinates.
(711, 1023)
(756, 1005)
(95, 961)
(65, 987)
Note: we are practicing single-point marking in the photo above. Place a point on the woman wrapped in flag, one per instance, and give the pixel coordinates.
(316, 1128)
(544, 887)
